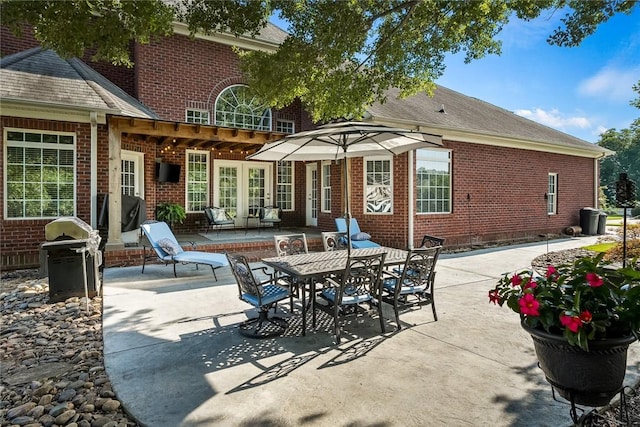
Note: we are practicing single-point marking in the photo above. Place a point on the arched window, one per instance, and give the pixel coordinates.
(236, 108)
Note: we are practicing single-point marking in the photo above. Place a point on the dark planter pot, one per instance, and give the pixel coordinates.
(590, 378)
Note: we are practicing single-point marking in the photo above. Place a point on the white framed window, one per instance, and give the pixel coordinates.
(433, 181)
(40, 172)
(197, 116)
(284, 185)
(285, 126)
(237, 108)
(552, 194)
(378, 185)
(197, 177)
(326, 187)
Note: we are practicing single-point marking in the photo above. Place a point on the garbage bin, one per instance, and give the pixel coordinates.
(602, 223)
(589, 221)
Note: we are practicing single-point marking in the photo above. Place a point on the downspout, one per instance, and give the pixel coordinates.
(410, 199)
(93, 116)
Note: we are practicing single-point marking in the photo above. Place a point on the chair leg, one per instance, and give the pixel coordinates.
(433, 307)
(380, 316)
(395, 309)
(336, 324)
(174, 269)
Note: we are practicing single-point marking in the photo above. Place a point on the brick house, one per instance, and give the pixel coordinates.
(500, 177)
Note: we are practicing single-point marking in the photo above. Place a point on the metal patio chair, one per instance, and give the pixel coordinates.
(360, 284)
(263, 295)
(217, 218)
(333, 241)
(413, 283)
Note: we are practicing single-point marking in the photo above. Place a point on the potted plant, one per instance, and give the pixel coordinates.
(582, 317)
(171, 213)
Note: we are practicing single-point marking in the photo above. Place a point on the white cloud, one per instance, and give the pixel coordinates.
(611, 84)
(553, 118)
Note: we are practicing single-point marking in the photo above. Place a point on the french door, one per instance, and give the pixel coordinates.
(238, 185)
(312, 195)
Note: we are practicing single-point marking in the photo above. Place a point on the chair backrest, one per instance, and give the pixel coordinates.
(161, 239)
(419, 268)
(341, 225)
(270, 214)
(362, 276)
(430, 241)
(333, 241)
(291, 244)
(247, 283)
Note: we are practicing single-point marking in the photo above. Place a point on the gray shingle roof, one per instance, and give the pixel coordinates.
(41, 76)
(472, 116)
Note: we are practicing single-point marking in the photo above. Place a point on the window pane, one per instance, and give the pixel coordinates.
(378, 191)
(197, 180)
(235, 107)
(41, 178)
(284, 186)
(433, 178)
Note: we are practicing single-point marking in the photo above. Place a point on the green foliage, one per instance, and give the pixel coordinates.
(340, 56)
(73, 27)
(583, 301)
(171, 213)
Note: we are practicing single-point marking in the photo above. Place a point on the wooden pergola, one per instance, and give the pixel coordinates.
(175, 134)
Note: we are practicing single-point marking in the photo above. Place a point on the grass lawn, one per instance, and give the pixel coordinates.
(600, 247)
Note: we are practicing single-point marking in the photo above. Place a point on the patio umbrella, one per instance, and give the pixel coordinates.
(342, 140)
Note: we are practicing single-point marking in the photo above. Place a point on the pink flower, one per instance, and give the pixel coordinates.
(494, 297)
(594, 280)
(531, 284)
(552, 272)
(529, 305)
(586, 316)
(516, 280)
(573, 323)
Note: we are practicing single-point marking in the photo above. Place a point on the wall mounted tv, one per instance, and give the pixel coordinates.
(167, 172)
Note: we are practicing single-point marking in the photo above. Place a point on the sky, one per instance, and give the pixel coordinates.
(581, 91)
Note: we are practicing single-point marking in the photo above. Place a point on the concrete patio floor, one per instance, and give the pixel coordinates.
(175, 357)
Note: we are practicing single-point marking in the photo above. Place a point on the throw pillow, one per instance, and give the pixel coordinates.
(169, 246)
(220, 215)
(360, 236)
(271, 214)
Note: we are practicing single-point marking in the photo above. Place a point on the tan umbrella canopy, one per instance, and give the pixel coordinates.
(342, 140)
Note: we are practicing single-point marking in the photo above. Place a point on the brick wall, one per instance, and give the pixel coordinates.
(21, 238)
(498, 196)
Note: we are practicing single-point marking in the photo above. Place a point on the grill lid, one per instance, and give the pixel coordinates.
(69, 227)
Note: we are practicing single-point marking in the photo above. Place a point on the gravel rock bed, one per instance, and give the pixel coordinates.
(51, 359)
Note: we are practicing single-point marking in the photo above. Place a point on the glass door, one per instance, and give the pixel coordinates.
(239, 185)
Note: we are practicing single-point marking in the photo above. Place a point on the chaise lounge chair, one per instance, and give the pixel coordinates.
(169, 250)
(359, 240)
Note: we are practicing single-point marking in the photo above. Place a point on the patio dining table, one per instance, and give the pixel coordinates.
(307, 269)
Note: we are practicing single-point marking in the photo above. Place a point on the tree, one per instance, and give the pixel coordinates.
(340, 56)
(626, 144)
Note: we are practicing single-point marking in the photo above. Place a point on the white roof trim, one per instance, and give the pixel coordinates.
(242, 42)
(496, 140)
(51, 111)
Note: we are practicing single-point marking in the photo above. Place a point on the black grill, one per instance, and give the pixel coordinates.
(73, 257)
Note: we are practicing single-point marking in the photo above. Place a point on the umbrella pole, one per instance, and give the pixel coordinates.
(347, 214)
